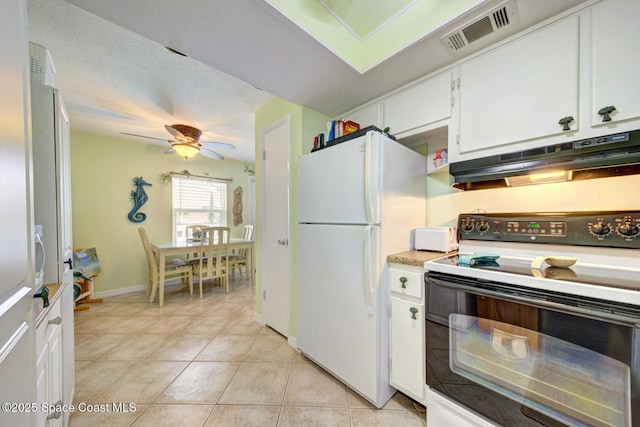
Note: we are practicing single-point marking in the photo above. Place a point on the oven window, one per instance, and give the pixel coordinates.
(521, 365)
(553, 376)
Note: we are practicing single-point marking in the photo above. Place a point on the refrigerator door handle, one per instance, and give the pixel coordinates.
(369, 187)
(368, 266)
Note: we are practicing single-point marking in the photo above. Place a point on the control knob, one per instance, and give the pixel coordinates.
(629, 229)
(600, 229)
(482, 226)
(467, 226)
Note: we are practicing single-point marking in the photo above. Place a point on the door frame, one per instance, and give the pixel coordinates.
(286, 122)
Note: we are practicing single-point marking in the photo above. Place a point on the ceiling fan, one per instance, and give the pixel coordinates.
(187, 143)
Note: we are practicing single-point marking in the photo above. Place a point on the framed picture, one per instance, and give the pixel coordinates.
(86, 262)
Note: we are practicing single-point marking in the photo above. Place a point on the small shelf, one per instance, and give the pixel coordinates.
(439, 169)
(86, 293)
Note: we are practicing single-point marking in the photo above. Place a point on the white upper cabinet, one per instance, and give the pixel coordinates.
(370, 115)
(615, 39)
(519, 92)
(420, 105)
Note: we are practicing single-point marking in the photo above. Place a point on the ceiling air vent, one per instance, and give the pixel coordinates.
(481, 26)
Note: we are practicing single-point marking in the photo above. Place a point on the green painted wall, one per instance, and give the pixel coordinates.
(101, 172)
(304, 124)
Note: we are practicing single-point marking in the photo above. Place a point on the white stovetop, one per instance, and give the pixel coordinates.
(621, 265)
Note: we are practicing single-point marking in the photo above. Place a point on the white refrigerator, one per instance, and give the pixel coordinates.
(357, 203)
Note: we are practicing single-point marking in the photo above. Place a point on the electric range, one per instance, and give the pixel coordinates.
(508, 328)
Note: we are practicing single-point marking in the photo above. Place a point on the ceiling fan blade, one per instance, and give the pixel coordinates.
(143, 136)
(210, 154)
(175, 132)
(213, 145)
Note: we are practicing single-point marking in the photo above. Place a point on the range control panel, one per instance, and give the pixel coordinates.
(614, 229)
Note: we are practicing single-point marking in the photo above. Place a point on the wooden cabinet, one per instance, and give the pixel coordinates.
(512, 97)
(49, 367)
(423, 104)
(614, 38)
(369, 115)
(52, 180)
(52, 209)
(68, 349)
(406, 330)
(407, 349)
(518, 92)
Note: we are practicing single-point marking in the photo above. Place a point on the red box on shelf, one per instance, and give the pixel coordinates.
(350, 127)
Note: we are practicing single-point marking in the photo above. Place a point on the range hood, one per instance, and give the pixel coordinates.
(612, 155)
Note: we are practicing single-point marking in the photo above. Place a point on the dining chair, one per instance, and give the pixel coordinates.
(212, 262)
(194, 233)
(239, 259)
(174, 268)
(197, 229)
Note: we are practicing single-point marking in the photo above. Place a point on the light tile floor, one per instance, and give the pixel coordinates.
(207, 363)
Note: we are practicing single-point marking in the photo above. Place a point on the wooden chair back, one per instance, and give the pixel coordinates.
(213, 262)
(151, 259)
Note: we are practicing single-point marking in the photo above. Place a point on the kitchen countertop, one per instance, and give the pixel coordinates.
(416, 258)
(55, 290)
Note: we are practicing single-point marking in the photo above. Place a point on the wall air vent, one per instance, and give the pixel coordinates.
(481, 26)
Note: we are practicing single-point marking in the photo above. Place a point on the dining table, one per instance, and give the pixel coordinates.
(181, 246)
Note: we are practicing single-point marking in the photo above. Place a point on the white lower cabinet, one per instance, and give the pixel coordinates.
(68, 350)
(50, 368)
(407, 339)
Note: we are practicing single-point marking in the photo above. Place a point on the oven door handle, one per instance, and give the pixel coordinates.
(539, 302)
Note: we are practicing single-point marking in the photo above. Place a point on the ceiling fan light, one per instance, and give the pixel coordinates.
(186, 150)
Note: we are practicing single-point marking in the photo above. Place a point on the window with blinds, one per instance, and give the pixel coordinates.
(198, 201)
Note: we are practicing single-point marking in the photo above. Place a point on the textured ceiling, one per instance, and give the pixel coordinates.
(114, 80)
(116, 76)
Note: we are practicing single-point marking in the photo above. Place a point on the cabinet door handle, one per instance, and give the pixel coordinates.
(56, 321)
(413, 311)
(565, 122)
(44, 294)
(57, 414)
(605, 111)
(403, 281)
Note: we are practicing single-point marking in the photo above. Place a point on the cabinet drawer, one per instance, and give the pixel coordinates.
(406, 283)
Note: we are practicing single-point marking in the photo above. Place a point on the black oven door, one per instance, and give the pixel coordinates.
(524, 358)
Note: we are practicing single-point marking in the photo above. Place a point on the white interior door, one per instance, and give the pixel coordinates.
(17, 338)
(276, 283)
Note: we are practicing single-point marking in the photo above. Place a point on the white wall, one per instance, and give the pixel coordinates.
(445, 203)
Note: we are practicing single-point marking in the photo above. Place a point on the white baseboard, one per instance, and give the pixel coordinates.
(120, 291)
(258, 318)
(137, 288)
(293, 342)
